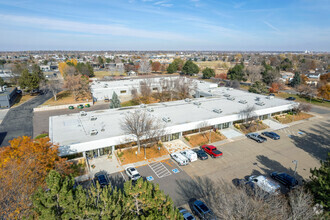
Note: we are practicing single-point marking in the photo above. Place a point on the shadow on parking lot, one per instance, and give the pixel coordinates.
(2, 137)
(270, 166)
(117, 181)
(317, 142)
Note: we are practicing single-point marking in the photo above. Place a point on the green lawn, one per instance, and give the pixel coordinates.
(304, 99)
(129, 103)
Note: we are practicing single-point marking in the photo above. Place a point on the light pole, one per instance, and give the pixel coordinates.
(296, 164)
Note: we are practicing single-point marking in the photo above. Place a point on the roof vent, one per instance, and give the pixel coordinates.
(188, 100)
(93, 118)
(231, 98)
(82, 113)
(93, 132)
(150, 110)
(229, 88)
(143, 106)
(166, 119)
(226, 95)
(269, 97)
(260, 103)
(197, 103)
(242, 101)
(217, 110)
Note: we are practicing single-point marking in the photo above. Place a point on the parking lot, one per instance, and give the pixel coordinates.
(165, 173)
(306, 142)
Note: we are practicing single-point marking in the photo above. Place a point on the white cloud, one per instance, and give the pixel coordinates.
(88, 28)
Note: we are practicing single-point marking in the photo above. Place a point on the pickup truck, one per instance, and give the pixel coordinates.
(257, 137)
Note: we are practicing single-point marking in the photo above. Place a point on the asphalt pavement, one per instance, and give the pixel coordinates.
(19, 120)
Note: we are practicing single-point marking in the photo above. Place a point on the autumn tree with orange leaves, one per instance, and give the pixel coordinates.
(24, 165)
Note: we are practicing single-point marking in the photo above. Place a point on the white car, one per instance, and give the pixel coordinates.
(190, 155)
(180, 159)
(266, 184)
(132, 173)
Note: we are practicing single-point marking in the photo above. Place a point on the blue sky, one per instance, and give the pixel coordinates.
(165, 25)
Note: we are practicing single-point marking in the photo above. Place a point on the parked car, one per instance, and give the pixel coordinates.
(271, 135)
(80, 106)
(271, 94)
(212, 151)
(186, 214)
(71, 107)
(202, 211)
(87, 105)
(291, 98)
(180, 159)
(132, 173)
(285, 179)
(201, 154)
(35, 92)
(190, 155)
(257, 137)
(266, 184)
(102, 178)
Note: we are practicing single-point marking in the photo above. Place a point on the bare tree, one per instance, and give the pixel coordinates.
(135, 94)
(143, 126)
(145, 90)
(54, 86)
(248, 114)
(233, 84)
(183, 87)
(254, 73)
(145, 67)
(77, 84)
(302, 107)
(301, 204)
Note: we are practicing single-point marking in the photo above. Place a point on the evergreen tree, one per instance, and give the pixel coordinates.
(208, 73)
(320, 183)
(258, 87)
(236, 73)
(171, 68)
(2, 82)
(190, 68)
(115, 102)
(139, 200)
(296, 81)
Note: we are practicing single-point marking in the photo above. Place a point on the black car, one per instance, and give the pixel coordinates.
(291, 98)
(285, 179)
(271, 94)
(102, 179)
(202, 211)
(201, 154)
(271, 135)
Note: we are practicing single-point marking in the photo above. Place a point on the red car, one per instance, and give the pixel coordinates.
(212, 151)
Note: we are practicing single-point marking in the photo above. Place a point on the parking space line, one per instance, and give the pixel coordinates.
(159, 169)
(123, 176)
(176, 164)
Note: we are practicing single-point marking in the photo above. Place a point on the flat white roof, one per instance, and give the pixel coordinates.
(72, 128)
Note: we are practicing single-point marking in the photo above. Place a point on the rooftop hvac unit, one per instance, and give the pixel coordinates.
(269, 97)
(166, 119)
(143, 106)
(217, 110)
(226, 95)
(93, 118)
(188, 100)
(197, 103)
(93, 132)
(150, 110)
(257, 98)
(242, 101)
(260, 103)
(229, 88)
(82, 113)
(231, 98)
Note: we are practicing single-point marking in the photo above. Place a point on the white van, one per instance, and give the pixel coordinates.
(266, 184)
(180, 159)
(190, 155)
